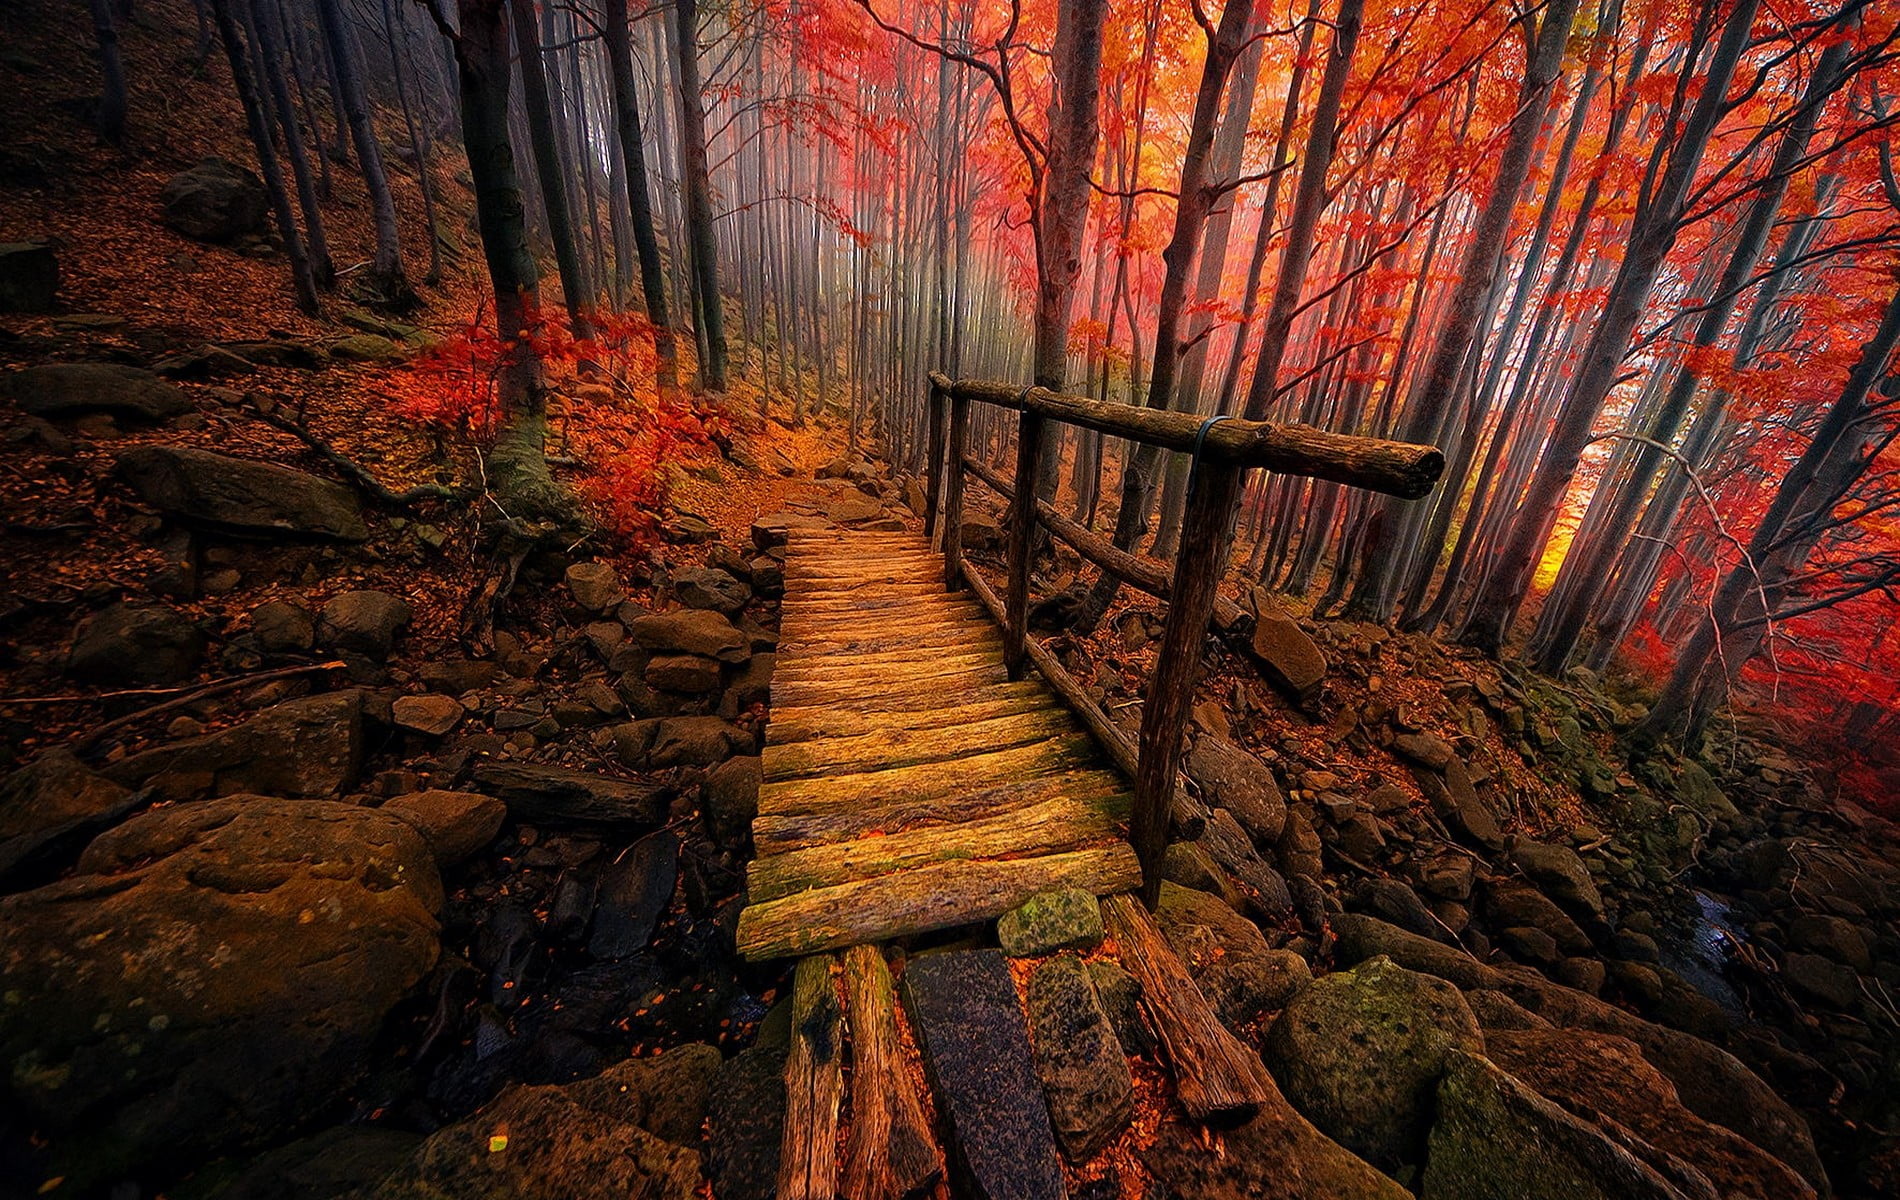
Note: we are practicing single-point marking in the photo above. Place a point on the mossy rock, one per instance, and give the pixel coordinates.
(1065, 919)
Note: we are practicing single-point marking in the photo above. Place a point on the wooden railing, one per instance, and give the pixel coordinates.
(1224, 450)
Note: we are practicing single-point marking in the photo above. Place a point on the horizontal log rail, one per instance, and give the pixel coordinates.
(1399, 469)
(1223, 452)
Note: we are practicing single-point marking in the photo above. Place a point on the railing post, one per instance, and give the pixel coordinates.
(933, 486)
(1022, 540)
(952, 513)
(1206, 535)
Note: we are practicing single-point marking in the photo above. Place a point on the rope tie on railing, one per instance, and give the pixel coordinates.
(1200, 440)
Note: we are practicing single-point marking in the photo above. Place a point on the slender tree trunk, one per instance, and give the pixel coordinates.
(260, 23)
(386, 278)
(634, 167)
(418, 138)
(544, 143)
(698, 187)
(109, 120)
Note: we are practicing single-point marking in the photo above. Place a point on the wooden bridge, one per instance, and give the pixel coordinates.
(917, 778)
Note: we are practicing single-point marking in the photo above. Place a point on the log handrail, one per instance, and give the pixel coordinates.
(1224, 451)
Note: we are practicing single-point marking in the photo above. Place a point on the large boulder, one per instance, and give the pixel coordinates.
(699, 632)
(29, 277)
(212, 974)
(215, 201)
(1291, 660)
(1079, 1059)
(217, 490)
(1277, 1153)
(1496, 1139)
(1228, 956)
(136, 646)
(307, 747)
(53, 798)
(1606, 1080)
(1360, 1053)
(56, 390)
(1232, 778)
(1560, 871)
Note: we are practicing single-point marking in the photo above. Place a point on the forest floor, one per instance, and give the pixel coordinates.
(531, 889)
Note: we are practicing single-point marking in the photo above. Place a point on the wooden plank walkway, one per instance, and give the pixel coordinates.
(909, 784)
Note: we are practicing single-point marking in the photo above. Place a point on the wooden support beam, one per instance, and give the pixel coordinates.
(957, 447)
(1214, 1074)
(814, 1084)
(1022, 540)
(889, 1153)
(1396, 468)
(933, 486)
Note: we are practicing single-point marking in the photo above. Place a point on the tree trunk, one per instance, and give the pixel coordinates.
(268, 39)
(548, 168)
(698, 188)
(110, 119)
(386, 280)
(634, 168)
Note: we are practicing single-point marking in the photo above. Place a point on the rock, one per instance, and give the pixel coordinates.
(58, 390)
(1292, 661)
(323, 1166)
(1084, 1074)
(1277, 1153)
(981, 531)
(1227, 844)
(283, 628)
(1562, 875)
(750, 685)
(283, 353)
(1510, 903)
(1447, 877)
(366, 348)
(1360, 1053)
(707, 587)
(362, 622)
(50, 799)
(1497, 1011)
(1530, 945)
(29, 277)
(1362, 937)
(1832, 937)
(214, 201)
(667, 1096)
(206, 362)
(129, 646)
(234, 493)
(457, 677)
(1456, 802)
(1232, 778)
(634, 891)
(302, 748)
(689, 674)
(694, 631)
(544, 1141)
(1424, 749)
(430, 714)
(849, 510)
(1120, 996)
(696, 742)
(1604, 1079)
(747, 1115)
(771, 530)
(1064, 919)
(729, 800)
(595, 586)
(558, 795)
(1496, 1139)
(1822, 979)
(969, 1028)
(455, 824)
(213, 973)
(1228, 956)
(1701, 793)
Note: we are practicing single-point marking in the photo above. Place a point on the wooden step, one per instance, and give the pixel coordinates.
(790, 726)
(776, 833)
(884, 749)
(928, 780)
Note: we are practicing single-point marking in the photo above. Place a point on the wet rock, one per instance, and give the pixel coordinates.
(1084, 1074)
(1457, 804)
(708, 587)
(455, 824)
(691, 631)
(1604, 1079)
(272, 936)
(633, 892)
(362, 622)
(1064, 919)
(29, 277)
(307, 747)
(595, 586)
(233, 493)
(1562, 875)
(1496, 1138)
(53, 799)
(562, 796)
(729, 799)
(1232, 778)
(136, 646)
(428, 714)
(1360, 1053)
(60, 390)
(214, 201)
(544, 1141)
(1228, 955)
(976, 1051)
(283, 628)
(1291, 659)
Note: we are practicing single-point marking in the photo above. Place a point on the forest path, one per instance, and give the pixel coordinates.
(910, 785)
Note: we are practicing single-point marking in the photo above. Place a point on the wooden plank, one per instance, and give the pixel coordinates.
(845, 684)
(903, 748)
(927, 779)
(890, 638)
(891, 662)
(814, 1084)
(926, 699)
(1214, 1073)
(1052, 827)
(889, 1152)
(932, 897)
(792, 726)
(777, 833)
